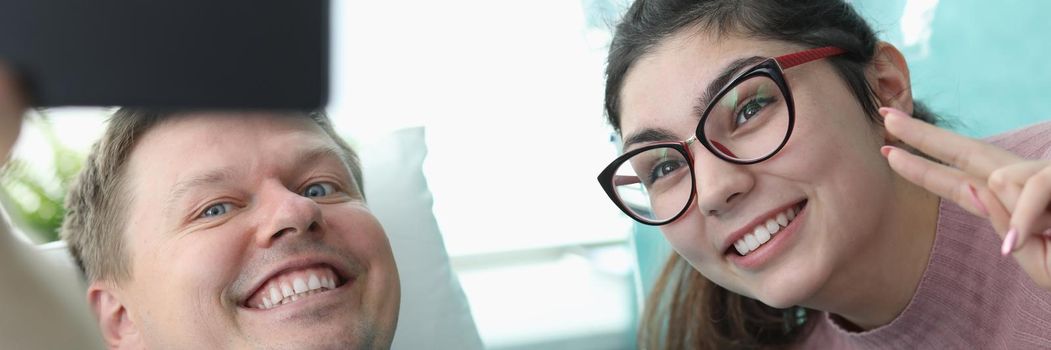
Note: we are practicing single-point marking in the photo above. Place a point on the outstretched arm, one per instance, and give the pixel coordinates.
(41, 305)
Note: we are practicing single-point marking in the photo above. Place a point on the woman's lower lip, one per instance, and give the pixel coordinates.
(769, 250)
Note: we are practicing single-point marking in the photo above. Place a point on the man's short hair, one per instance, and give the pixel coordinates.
(96, 206)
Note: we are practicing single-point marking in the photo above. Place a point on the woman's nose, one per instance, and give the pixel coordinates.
(720, 184)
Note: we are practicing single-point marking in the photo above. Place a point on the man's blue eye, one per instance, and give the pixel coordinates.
(320, 189)
(216, 210)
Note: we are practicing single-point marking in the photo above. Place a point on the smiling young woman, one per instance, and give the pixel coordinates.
(771, 142)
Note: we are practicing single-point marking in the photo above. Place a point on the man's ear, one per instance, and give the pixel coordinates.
(118, 329)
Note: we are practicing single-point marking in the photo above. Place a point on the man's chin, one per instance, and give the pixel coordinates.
(325, 319)
(334, 319)
(334, 333)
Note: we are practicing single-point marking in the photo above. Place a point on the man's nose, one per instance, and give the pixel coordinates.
(720, 184)
(287, 213)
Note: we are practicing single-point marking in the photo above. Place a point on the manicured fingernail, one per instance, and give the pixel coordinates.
(886, 111)
(886, 150)
(1009, 242)
(977, 202)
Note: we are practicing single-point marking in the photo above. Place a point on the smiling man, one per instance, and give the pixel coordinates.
(201, 230)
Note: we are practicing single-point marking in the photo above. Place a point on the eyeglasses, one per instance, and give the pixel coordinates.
(747, 121)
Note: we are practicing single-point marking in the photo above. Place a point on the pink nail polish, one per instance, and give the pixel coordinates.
(977, 202)
(1009, 242)
(891, 111)
(885, 150)
(885, 113)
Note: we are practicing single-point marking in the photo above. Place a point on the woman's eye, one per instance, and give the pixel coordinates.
(663, 169)
(216, 210)
(319, 189)
(751, 109)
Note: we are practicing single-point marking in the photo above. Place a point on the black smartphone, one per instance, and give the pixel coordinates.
(236, 54)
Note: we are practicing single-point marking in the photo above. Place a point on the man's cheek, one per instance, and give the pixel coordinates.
(360, 228)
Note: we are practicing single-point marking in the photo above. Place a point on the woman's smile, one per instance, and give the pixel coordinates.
(765, 237)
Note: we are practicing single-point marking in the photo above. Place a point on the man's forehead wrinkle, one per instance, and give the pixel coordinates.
(317, 152)
(300, 160)
(187, 154)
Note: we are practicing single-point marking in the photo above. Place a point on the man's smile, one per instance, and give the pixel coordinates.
(294, 285)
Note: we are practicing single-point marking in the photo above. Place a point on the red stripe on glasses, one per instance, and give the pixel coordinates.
(798, 58)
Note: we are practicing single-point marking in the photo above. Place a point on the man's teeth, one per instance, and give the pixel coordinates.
(292, 286)
(763, 232)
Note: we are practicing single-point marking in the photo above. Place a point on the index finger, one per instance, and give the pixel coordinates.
(974, 157)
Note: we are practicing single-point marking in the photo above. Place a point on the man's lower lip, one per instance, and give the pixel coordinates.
(769, 250)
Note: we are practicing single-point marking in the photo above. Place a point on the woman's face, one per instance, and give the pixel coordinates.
(830, 173)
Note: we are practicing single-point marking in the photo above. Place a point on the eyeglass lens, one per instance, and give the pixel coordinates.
(748, 122)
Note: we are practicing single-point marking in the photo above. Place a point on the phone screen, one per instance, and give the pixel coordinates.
(265, 54)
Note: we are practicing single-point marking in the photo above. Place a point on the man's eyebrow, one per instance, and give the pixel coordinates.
(227, 174)
(729, 72)
(648, 135)
(317, 153)
(211, 177)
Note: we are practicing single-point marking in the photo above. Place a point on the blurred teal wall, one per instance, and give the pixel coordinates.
(984, 67)
(985, 64)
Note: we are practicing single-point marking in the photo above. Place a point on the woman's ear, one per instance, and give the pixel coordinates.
(889, 77)
(118, 329)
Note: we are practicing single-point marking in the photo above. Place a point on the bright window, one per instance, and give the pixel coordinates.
(511, 95)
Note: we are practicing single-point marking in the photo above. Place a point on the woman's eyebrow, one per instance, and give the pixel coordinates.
(729, 72)
(648, 135)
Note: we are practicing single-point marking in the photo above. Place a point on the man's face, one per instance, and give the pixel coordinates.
(248, 231)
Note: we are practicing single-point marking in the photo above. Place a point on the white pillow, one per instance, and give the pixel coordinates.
(434, 311)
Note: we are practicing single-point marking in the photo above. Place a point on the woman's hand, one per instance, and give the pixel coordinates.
(1012, 192)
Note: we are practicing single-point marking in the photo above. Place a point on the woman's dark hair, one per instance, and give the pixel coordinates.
(685, 310)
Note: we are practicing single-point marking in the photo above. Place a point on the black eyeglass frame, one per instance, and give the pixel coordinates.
(772, 68)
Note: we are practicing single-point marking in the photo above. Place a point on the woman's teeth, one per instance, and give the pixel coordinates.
(763, 232)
